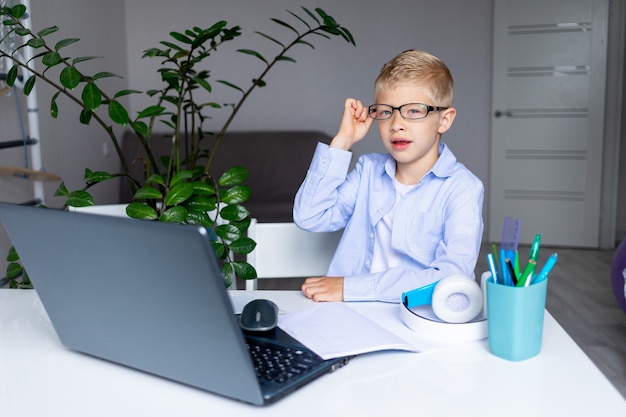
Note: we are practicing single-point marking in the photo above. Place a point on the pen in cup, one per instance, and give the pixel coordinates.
(527, 274)
(543, 274)
(492, 267)
(534, 248)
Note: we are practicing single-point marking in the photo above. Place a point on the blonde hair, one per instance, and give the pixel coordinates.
(418, 68)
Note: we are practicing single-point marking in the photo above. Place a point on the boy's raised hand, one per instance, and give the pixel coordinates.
(355, 123)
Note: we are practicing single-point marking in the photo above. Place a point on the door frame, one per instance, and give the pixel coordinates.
(613, 127)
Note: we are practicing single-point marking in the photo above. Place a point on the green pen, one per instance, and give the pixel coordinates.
(527, 274)
(516, 264)
(534, 248)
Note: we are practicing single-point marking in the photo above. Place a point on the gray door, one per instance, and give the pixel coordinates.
(549, 70)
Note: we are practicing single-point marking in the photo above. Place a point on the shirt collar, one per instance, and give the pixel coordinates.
(443, 168)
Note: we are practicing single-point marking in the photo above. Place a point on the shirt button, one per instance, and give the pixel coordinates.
(324, 160)
(380, 210)
(367, 264)
(371, 235)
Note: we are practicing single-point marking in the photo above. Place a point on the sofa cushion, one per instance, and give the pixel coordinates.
(277, 162)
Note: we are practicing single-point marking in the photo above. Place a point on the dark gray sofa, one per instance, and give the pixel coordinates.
(277, 162)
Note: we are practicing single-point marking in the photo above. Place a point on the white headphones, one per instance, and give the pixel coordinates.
(454, 299)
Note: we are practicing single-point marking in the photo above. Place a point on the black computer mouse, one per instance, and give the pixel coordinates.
(259, 316)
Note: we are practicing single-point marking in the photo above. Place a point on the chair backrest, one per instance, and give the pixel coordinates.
(116, 210)
(285, 251)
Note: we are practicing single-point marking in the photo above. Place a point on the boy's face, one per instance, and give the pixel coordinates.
(414, 144)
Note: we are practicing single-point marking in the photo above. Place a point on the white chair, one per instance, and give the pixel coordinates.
(115, 210)
(285, 251)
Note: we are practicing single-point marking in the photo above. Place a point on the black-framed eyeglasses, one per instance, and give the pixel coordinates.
(410, 111)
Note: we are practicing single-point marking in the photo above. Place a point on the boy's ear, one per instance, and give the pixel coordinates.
(446, 119)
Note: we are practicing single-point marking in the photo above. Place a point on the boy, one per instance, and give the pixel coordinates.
(412, 216)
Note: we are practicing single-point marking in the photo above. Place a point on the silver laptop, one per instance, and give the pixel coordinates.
(147, 295)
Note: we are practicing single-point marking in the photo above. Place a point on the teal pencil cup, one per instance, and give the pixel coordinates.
(515, 319)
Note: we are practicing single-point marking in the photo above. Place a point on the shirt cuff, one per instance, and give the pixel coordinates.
(331, 162)
(359, 288)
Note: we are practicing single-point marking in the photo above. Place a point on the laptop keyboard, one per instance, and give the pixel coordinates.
(278, 363)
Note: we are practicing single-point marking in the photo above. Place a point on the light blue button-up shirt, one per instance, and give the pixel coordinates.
(437, 226)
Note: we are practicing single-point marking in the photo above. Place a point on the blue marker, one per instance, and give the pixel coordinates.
(546, 268)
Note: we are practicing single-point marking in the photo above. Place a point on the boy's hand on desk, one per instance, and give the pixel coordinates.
(323, 288)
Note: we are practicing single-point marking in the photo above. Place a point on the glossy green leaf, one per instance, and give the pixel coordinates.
(242, 225)
(54, 108)
(231, 85)
(140, 128)
(199, 218)
(141, 211)
(80, 199)
(202, 188)
(29, 84)
(146, 193)
(18, 11)
(70, 77)
(253, 53)
(155, 179)
(237, 194)
(200, 204)
(125, 93)
(228, 272)
(96, 176)
(118, 113)
(270, 38)
(61, 190)
(172, 46)
(304, 22)
(180, 177)
(12, 76)
(14, 270)
(234, 176)
(178, 193)
(151, 111)
(12, 255)
(228, 232)
(287, 25)
(310, 13)
(22, 31)
(177, 214)
(47, 31)
(310, 45)
(181, 38)
(65, 42)
(104, 74)
(234, 212)
(51, 59)
(244, 270)
(219, 248)
(92, 97)
(243, 245)
(84, 58)
(36, 43)
(85, 116)
(204, 83)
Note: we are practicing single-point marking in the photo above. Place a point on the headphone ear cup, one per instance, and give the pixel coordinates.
(457, 299)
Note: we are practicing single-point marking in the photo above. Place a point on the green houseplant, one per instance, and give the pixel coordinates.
(173, 188)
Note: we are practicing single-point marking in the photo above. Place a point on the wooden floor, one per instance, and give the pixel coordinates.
(580, 299)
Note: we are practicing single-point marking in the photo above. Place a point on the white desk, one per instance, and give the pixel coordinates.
(39, 377)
